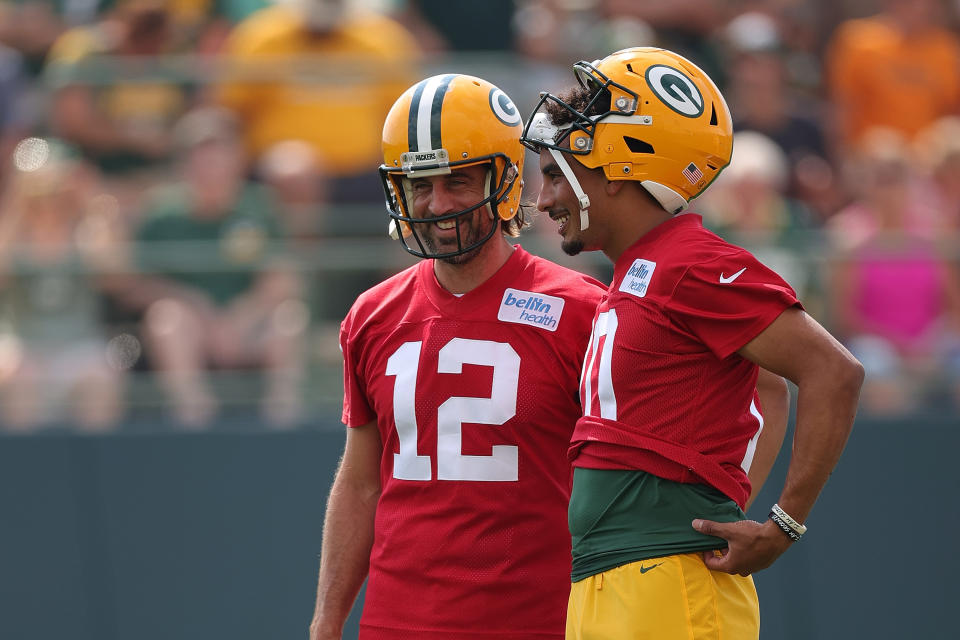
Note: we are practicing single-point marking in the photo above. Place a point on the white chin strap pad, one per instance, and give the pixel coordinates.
(669, 199)
(542, 129)
(582, 197)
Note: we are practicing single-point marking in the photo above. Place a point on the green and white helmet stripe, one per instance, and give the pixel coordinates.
(423, 132)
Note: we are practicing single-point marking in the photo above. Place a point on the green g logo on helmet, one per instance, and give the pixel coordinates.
(503, 108)
(675, 90)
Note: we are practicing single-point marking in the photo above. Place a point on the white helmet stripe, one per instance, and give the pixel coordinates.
(425, 111)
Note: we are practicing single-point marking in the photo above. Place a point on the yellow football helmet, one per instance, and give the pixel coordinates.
(653, 116)
(440, 124)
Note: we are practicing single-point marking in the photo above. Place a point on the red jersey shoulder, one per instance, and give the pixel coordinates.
(683, 252)
(697, 282)
(385, 303)
(397, 286)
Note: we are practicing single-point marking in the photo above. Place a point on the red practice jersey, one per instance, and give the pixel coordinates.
(475, 398)
(663, 388)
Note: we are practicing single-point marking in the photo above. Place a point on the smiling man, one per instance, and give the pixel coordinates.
(665, 450)
(445, 236)
(460, 395)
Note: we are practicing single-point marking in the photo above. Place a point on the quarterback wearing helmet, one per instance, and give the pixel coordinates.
(643, 114)
(441, 125)
(460, 394)
(683, 405)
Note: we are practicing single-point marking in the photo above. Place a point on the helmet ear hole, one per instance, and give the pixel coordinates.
(713, 115)
(639, 146)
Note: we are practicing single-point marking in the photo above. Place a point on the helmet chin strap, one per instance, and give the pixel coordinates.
(582, 197)
(487, 188)
(541, 129)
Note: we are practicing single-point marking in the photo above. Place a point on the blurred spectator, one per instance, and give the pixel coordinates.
(316, 71)
(684, 26)
(110, 97)
(200, 27)
(937, 151)
(14, 120)
(559, 32)
(895, 294)
(299, 181)
(898, 69)
(316, 229)
(801, 28)
(217, 291)
(438, 25)
(55, 246)
(32, 26)
(748, 205)
(762, 98)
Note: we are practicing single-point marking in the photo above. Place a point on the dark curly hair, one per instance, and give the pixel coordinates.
(578, 98)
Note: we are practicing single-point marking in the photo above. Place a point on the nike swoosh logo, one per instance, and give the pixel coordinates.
(644, 569)
(731, 278)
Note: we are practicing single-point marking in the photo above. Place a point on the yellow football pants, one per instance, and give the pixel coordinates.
(670, 598)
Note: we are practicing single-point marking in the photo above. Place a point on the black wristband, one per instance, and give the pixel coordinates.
(784, 526)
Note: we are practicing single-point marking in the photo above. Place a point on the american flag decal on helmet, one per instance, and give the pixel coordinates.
(692, 173)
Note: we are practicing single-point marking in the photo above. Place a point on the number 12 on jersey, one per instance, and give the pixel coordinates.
(502, 463)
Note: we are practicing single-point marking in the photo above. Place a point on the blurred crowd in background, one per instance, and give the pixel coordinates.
(189, 196)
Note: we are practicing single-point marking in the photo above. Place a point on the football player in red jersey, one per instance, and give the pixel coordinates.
(460, 379)
(662, 455)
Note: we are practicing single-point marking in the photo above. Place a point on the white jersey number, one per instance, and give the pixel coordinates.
(605, 327)
(598, 360)
(501, 465)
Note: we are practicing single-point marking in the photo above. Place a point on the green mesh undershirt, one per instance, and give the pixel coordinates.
(621, 516)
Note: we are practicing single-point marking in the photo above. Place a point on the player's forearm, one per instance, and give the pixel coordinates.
(826, 407)
(345, 558)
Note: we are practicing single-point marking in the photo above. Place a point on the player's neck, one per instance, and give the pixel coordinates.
(633, 220)
(466, 276)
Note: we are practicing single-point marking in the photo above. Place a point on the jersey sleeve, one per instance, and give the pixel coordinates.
(356, 408)
(726, 302)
